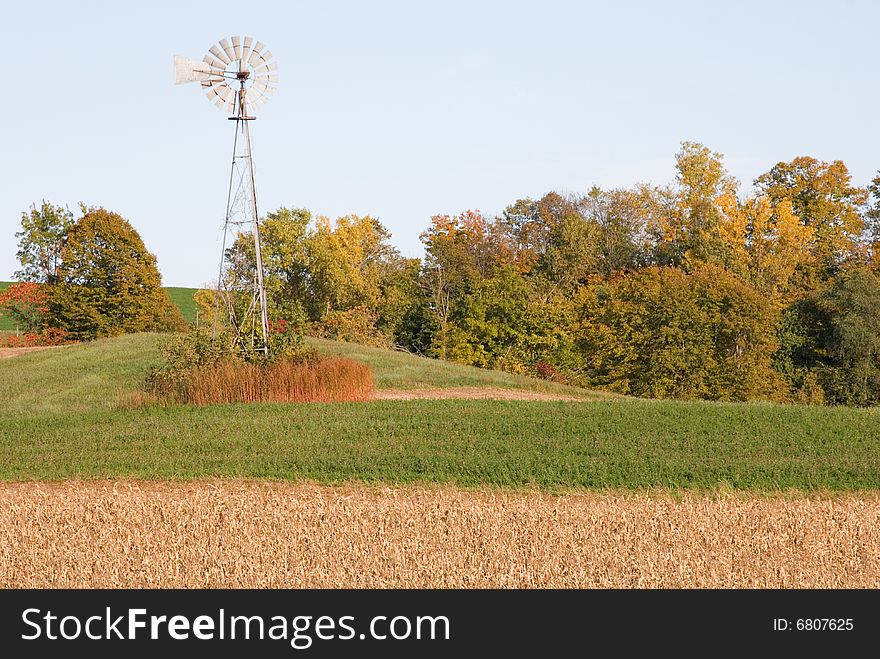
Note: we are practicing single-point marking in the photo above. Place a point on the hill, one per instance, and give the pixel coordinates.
(59, 419)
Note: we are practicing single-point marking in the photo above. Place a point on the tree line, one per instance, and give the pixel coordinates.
(688, 290)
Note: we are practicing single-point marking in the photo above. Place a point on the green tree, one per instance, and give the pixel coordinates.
(501, 323)
(40, 242)
(284, 236)
(850, 336)
(108, 283)
(662, 333)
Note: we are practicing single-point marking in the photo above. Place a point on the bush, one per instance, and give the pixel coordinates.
(356, 325)
(286, 380)
(25, 303)
(50, 336)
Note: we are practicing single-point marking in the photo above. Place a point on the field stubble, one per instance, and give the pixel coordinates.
(134, 534)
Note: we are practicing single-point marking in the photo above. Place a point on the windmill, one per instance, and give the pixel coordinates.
(237, 74)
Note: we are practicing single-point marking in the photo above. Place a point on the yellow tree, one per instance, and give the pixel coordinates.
(762, 243)
(823, 198)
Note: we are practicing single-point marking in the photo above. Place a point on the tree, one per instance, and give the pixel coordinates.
(41, 241)
(872, 223)
(348, 261)
(823, 197)
(663, 333)
(761, 244)
(687, 215)
(620, 227)
(107, 282)
(851, 337)
(284, 236)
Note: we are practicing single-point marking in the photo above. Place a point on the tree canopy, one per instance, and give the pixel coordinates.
(107, 283)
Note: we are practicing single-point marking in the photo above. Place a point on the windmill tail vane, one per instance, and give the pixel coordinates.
(238, 75)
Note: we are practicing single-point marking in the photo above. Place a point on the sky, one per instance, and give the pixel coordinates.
(404, 110)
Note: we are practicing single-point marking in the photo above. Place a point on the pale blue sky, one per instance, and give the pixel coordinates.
(404, 110)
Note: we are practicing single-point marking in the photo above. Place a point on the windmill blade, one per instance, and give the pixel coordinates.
(187, 70)
(215, 64)
(219, 54)
(246, 49)
(210, 82)
(215, 94)
(255, 54)
(224, 44)
(236, 48)
(271, 66)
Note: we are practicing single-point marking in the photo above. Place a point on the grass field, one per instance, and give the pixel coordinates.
(182, 297)
(604, 492)
(58, 421)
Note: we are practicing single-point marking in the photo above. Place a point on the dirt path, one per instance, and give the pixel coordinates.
(14, 352)
(492, 393)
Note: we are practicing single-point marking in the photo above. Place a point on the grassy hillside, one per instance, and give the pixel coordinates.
(57, 420)
(182, 297)
(401, 370)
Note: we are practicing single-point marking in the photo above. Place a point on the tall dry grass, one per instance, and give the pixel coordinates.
(328, 380)
(246, 534)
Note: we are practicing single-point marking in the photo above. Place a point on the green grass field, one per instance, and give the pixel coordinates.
(59, 419)
(182, 297)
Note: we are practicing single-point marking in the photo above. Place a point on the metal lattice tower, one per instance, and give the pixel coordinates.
(237, 74)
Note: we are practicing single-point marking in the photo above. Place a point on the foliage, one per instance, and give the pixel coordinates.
(41, 241)
(49, 336)
(851, 338)
(663, 333)
(764, 245)
(26, 304)
(108, 283)
(357, 325)
(823, 197)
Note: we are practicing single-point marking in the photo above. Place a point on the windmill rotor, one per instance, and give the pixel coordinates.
(238, 74)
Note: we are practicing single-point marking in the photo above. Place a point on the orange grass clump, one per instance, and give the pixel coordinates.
(329, 380)
(244, 534)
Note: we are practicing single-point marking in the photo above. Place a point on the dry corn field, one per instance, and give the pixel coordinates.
(251, 534)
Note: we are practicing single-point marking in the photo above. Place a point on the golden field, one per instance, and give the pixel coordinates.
(249, 534)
